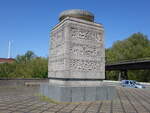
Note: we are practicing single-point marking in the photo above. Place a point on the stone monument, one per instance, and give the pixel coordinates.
(77, 54)
(76, 58)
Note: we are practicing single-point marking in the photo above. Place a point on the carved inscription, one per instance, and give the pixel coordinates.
(57, 39)
(57, 65)
(57, 51)
(85, 35)
(98, 37)
(76, 50)
(79, 34)
(84, 65)
(84, 50)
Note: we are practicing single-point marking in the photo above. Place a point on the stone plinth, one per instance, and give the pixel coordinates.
(78, 93)
(77, 59)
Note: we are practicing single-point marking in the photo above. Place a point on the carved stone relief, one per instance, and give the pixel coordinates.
(82, 34)
(57, 39)
(84, 50)
(84, 65)
(57, 64)
(76, 48)
(57, 51)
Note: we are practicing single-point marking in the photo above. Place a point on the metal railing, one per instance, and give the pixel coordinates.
(127, 60)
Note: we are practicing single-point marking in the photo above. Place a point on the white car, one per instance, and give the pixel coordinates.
(131, 84)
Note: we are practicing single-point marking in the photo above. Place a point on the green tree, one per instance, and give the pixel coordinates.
(27, 65)
(6, 69)
(39, 67)
(135, 47)
(28, 56)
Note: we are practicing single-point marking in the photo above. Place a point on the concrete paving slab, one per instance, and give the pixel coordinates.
(25, 100)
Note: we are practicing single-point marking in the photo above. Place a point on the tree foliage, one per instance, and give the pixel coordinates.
(134, 47)
(25, 66)
(137, 46)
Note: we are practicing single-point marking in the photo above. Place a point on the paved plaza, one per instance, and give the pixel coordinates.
(26, 100)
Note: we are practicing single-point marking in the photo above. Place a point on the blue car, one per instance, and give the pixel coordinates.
(131, 84)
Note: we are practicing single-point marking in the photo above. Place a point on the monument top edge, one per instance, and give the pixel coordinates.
(77, 13)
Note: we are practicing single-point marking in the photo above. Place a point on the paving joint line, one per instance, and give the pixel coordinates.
(142, 93)
(111, 107)
(48, 108)
(35, 108)
(62, 108)
(121, 101)
(87, 107)
(75, 108)
(129, 101)
(24, 107)
(142, 97)
(16, 105)
(99, 107)
(140, 102)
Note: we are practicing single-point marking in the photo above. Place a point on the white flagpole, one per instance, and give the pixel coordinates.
(9, 48)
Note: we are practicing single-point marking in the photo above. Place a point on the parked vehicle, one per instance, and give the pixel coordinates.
(131, 84)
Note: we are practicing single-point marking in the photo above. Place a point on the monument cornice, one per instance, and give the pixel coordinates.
(67, 20)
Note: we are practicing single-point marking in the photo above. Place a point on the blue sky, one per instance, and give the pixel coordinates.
(28, 22)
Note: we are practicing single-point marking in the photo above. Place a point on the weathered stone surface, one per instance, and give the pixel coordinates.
(76, 52)
(78, 93)
(81, 14)
(77, 59)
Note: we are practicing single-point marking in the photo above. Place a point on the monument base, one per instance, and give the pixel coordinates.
(78, 93)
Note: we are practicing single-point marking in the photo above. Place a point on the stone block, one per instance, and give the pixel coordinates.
(78, 94)
(101, 93)
(66, 94)
(90, 93)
